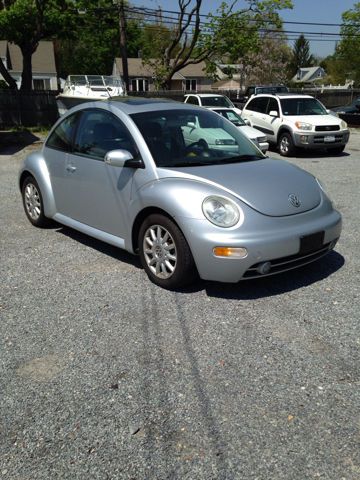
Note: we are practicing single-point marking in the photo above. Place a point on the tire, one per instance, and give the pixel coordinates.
(336, 150)
(33, 203)
(165, 254)
(286, 145)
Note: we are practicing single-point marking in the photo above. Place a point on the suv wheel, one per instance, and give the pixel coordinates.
(286, 145)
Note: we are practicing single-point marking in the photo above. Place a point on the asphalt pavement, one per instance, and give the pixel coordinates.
(103, 375)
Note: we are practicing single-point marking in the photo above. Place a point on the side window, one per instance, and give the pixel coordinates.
(193, 101)
(272, 105)
(61, 137)
(262, 104)
(253, 105)
(101, 131)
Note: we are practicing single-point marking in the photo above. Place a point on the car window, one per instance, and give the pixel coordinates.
(258, 104)
(232, 116)
(99, 132)
(272, 105)
(302, 106)
(216, 101)
(190, 138)
(61, 138)
(193, 101)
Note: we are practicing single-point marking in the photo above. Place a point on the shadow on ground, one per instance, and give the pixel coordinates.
(244, 290)
(13, 142)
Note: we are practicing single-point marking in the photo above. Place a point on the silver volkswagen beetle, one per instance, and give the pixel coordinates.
(125, 172)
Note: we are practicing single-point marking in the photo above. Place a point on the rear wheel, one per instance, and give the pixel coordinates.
(286, 145)
(165, 254)
(33, 202)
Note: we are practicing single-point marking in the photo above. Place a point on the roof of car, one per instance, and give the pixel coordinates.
(131, 105)
(204, 95)
(282, 95)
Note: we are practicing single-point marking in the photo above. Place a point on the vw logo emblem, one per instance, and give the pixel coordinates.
(293, 199)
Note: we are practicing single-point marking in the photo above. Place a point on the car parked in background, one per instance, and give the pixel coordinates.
(255, 135)
(354, 107)
(293, 121)
(210, 100)
(257, 89)
(124, 172)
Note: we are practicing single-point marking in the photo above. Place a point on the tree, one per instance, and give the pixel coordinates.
(94, 41)
(266, 65)
(301, 56)
(26, 22)
(345, 63)
(231, 33)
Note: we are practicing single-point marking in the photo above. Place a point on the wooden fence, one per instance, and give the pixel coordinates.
(29, 109)
(40, 109)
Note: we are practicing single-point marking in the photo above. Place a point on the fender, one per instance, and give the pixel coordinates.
(35, 165)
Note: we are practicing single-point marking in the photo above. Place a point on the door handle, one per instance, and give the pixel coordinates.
(70, 168)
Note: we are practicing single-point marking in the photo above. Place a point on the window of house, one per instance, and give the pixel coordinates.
(140, 85)
(191, 85)
(41, 83)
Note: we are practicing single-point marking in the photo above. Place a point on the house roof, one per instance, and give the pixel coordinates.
(138, 69)
(43, 60)
(307, 74)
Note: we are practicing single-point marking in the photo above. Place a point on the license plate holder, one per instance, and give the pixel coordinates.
(311, 243)
(329, 138)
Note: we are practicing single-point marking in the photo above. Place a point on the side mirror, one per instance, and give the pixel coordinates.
(191, 124)
(247, 122)
(273, 113)
(123, 158)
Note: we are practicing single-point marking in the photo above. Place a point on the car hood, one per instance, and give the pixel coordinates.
(264, 185)
(251, 132)
(315, 119)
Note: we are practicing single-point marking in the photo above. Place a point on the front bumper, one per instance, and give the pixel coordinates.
(313, 140)
(277, 242)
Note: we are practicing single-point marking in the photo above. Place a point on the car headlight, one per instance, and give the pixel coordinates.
(303, 126)
(261, 139)
(221, 211)
(343, 124)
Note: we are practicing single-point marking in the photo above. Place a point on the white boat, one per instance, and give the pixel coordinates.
(84, 88)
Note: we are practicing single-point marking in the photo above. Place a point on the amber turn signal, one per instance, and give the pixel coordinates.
(237, 252)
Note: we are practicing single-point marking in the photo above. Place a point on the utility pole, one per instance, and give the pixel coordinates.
(123, 47)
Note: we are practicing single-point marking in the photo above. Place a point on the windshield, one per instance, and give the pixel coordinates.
(216, 101)
(179, 138)
(232, 116)
(302, 106)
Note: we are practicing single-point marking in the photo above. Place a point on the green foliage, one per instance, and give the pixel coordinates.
(345, 63)
(301, 56)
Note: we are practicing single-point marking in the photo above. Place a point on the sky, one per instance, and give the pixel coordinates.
(315, 11)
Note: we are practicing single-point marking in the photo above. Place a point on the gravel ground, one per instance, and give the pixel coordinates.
(106, 376)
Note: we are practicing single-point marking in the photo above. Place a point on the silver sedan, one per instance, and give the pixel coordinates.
(125, 172)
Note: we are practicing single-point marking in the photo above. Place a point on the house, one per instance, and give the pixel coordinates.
(309, 74)
(191, 78)
(43, 64)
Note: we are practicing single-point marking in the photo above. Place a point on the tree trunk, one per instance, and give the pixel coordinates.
(26, 76)
(7, 77)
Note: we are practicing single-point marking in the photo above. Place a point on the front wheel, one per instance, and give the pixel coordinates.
(165, 254)
(286, 145)
(33, 202)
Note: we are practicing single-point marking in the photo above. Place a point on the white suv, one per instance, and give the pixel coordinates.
(210, 100)
(290, 121)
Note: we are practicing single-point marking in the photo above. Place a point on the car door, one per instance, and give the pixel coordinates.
(56, 152)
(272, 122)
(97, 192)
